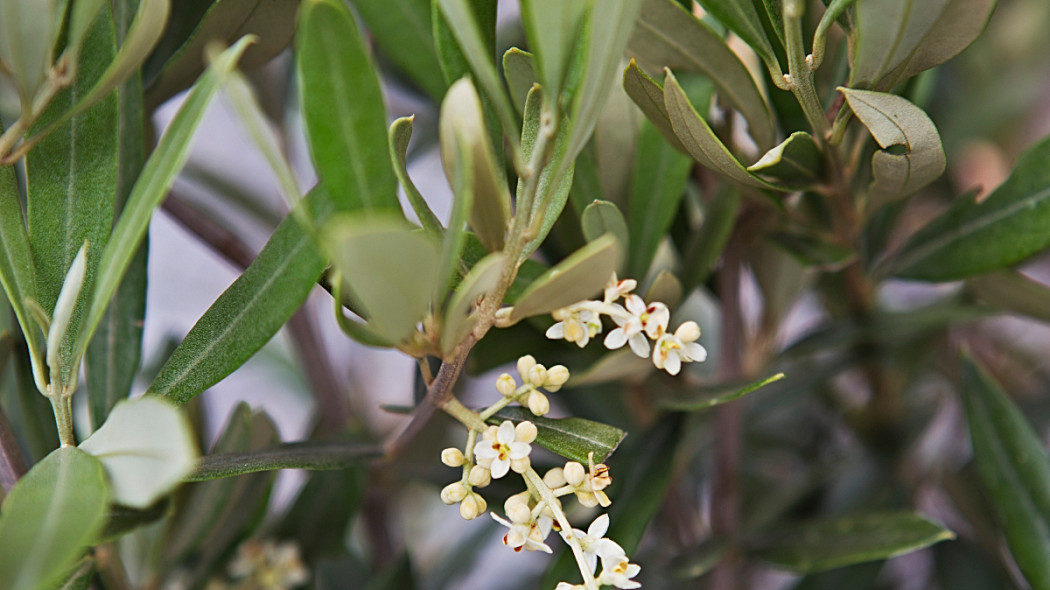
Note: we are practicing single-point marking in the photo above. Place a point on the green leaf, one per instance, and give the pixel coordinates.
(250, 311)
(669, 37)
(1014, 470)
(705, 398)
(17, 270)
(555, 183)
(657, 185)
(81, 17)
(834, 9)
(700, 141)
(814, 250)
(481, 279)
(574, 279)
(146, 447)
(389, 267)
(553, 28)
(602, 217)
(29, 32)
(649, 96)
(72, 178)
(572, 438)
(301, 455)
(151, 188)
(796, 162)
(272, 22)
(465, 143)
(973, 237)
(742, 18)
(403, 31)
(64, 371)
(704, 249)
(399, 135)
(1012, 291)
(50, 518)
(961, 22)
(832, 543)
(893, 121)
(886, 33)
(343, 109)
(520, 72)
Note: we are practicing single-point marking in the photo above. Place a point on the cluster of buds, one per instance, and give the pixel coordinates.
(492, 452)
(637, 323)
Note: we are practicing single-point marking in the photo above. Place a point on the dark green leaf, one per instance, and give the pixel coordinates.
(974, 237)
(742, 18)
(402, 30)
(886, 33)
(657, 186)
(1014, 470)
(893, 121)
(553, 30)
(343, 109)
(828, 544)
(796, 162)
(574, 279)
(1012, 291)
(602, 217)
(250, 311)
(572, 438)
(301, 455)
(649, 96)
(50, 517)
(704, 398)
(669, 37)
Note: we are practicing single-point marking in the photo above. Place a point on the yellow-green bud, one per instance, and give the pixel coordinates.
(525, 364)
(452, 457)
(479, 476)
(574, 473)
(525, 431)
(555, 478)
(538, 403)
(506, 385)
(454, 492)
(556, 377)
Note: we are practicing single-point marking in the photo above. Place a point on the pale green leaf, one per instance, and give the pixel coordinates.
(742, 18)
(62, 377)
(832, 543)
(389, 267)
(147, 447)
(154, 182)
(554, 184)
(795, 162)
(520, 72)
(581, 275)
(28, 32)
(1014, 471)
(649, 96)
(553, 29)
(602, 217)
(834, 9)
(668, 37)
(706, 245)
(975, 237)
(709, 397)
(343, 109)
(893, 121)
(50, 518)
(572, 438)
(700, 141)
(399, 135)
(1012, 291)
(886, 33)
(665, 288)
(481, 279)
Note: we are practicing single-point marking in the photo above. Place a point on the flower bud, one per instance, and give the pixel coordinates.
(506, 385)
(688, 332)
(452, 457)
(525, 431)
(525, 364)
(454, 492)
(472, 506)
(519, 513)
(537, 375)
(520, 465)
(538, 403)
(479, 476)
(574, 473)
(490, 433)
(586, 499)
(556, 377)
(554, 478)
(519, 498)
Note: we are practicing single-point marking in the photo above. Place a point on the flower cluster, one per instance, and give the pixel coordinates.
(637, 323)
(492, 452)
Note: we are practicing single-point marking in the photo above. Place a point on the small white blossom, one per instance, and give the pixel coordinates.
(594, 544)
(497, 455)
(576, 323)
(618, 571)
(527, 536)
(615, 289)
(681, 347)
(630, 323)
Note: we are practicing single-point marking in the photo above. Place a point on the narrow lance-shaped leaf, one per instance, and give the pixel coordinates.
(1014, 470)
(400, 134)
(893, 121)
(974, 237)
(834, 9)
(669, 37)
(403, 30)
(826, 544)
(480, 280)
(50, 518)
(574, 279)
(886, 33)
(1012, 291)
(742, 18)
(796, 162)
(343, 109)
(715, 396)
(553, 187)
(649, 96)
(63, 371)
(250, 311)
(553, 31)
(572, 438)
(149, 191)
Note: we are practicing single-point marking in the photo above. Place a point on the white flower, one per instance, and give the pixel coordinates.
(568, 586)
(497, 454)
(617, 571)
(631, 326)
(615, 289)
(594, 544)
(674, 349)
(527, 536)
(576, 323)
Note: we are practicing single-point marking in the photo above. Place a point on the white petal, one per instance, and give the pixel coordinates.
(599, 527)
(608, 549)
(500, 468)
(673, 364)
(616, 339)
(640, 345)
(688, 332)
(506, 433)
(557, 331)
(635, 305)
(695, 352)
(520, 450)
